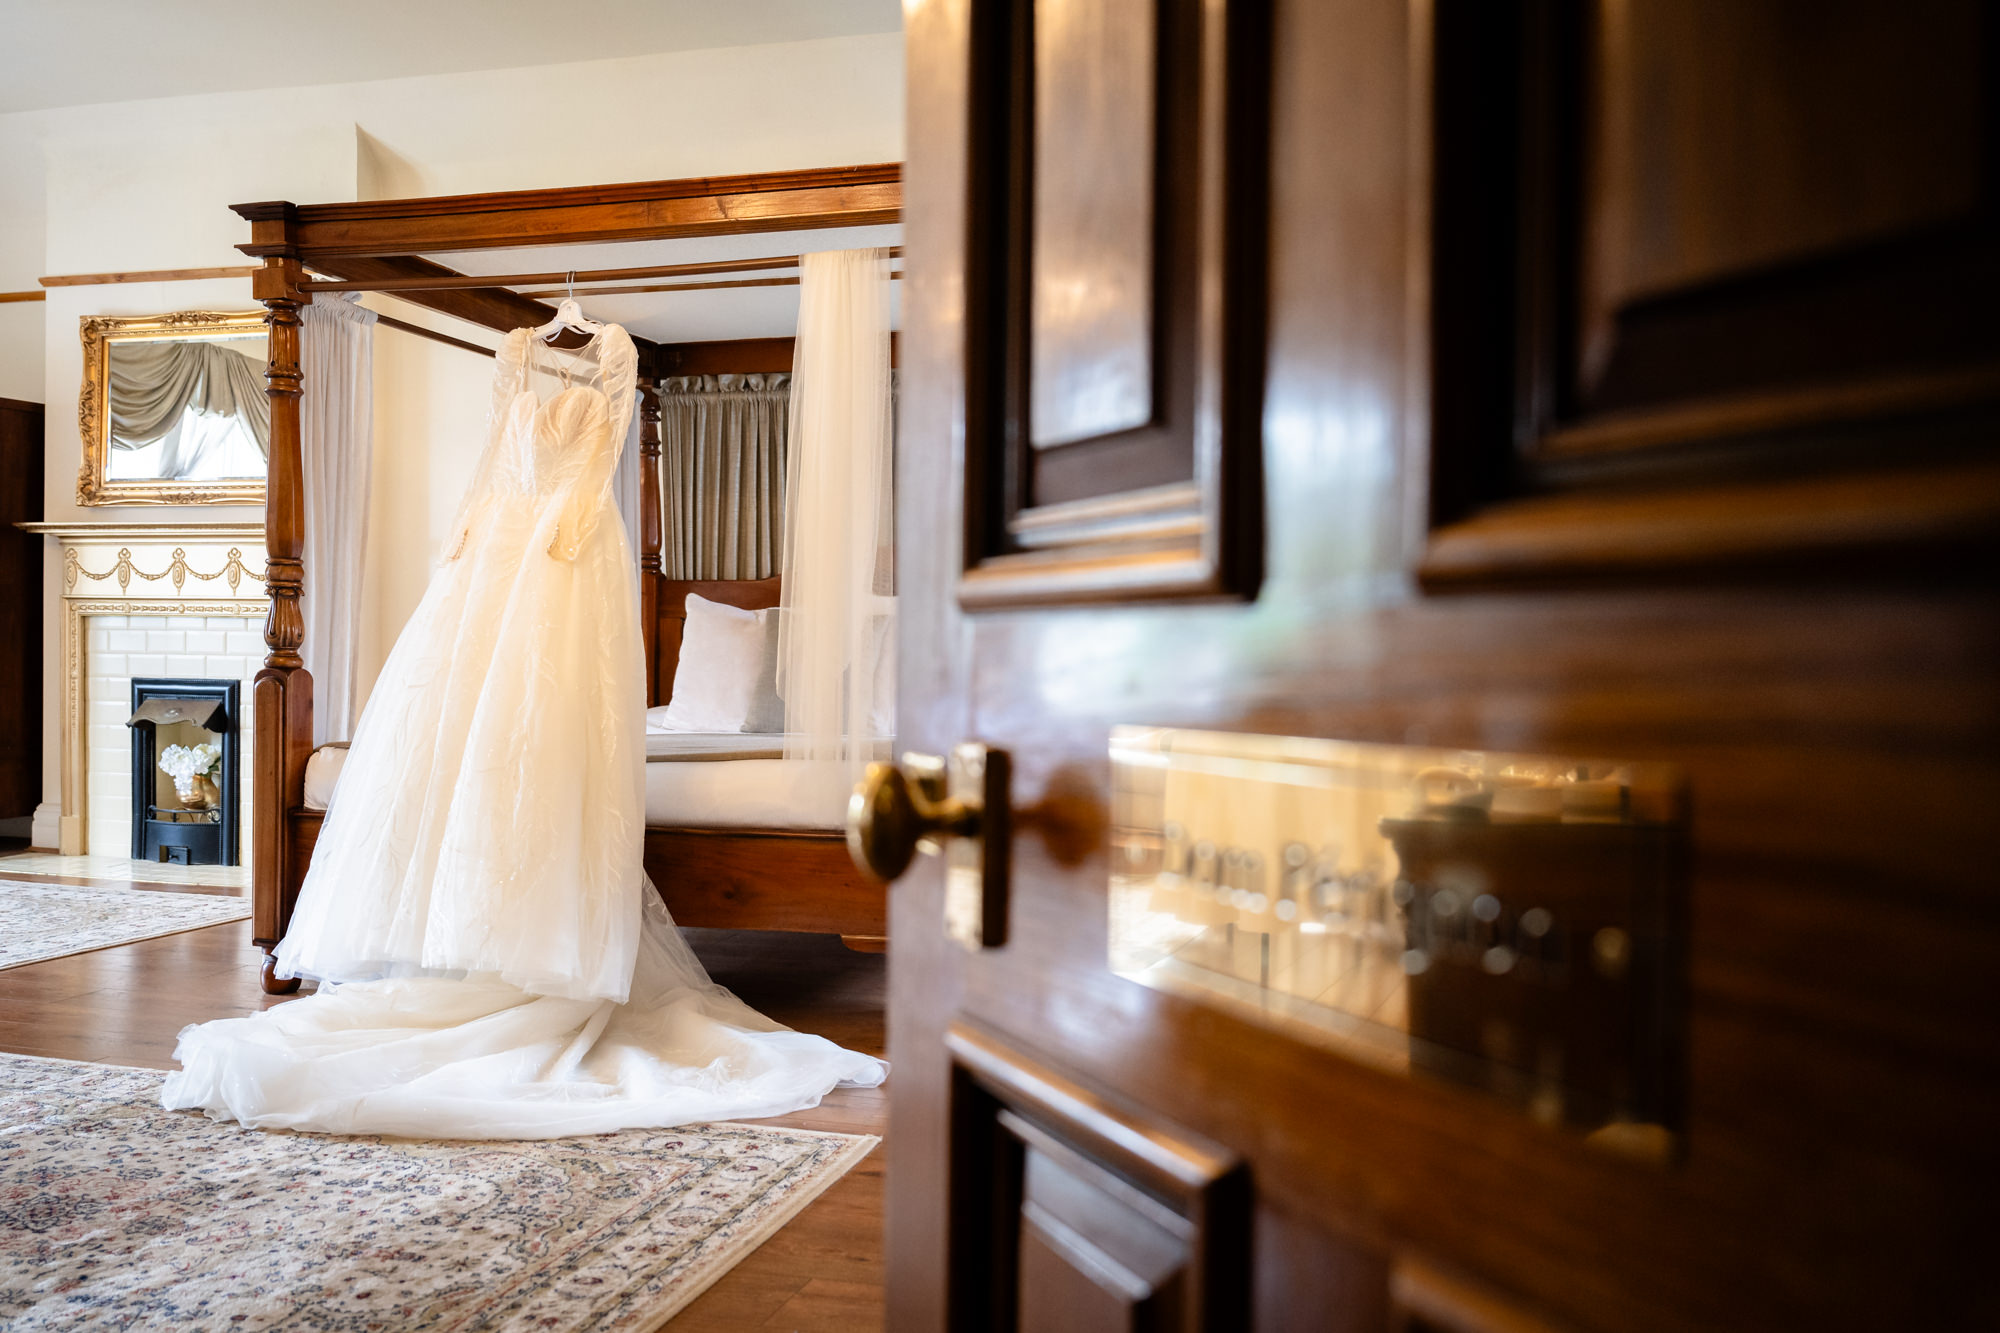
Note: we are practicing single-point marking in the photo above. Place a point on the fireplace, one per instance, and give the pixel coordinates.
(187, 815)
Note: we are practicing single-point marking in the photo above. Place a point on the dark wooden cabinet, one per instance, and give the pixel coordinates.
(20, 609)
(1624, 383)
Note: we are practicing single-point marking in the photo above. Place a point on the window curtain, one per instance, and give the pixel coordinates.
(154, 384)
(837, 627)
(722, 474)
(336, 441)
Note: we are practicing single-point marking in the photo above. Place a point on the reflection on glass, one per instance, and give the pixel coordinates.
(1504, 922)
(187, 408)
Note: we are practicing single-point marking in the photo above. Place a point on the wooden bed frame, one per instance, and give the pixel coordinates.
(744, 879)
(752, 879)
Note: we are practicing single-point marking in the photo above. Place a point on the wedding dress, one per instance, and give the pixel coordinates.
(493, 962)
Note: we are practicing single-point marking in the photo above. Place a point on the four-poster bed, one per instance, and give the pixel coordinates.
(748, 877)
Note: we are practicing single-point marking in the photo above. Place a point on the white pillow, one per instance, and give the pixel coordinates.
(323, 775)
(722, 648)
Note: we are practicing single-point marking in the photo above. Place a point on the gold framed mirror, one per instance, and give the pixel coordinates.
(173, 409)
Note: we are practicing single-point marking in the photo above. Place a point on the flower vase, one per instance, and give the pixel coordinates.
(206, 795)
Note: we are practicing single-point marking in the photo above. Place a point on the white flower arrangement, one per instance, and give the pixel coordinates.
(185, 763)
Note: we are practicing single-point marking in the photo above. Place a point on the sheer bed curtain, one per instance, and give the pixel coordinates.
(336, 419)
(837, 628)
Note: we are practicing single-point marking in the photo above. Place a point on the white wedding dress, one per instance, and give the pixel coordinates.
(493, 962)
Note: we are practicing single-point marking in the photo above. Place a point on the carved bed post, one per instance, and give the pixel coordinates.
(282, 692)
(649, 533)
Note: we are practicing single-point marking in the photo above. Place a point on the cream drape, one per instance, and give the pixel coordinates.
(336, 446)
(154, 383)
(837, 626)
(722, 474)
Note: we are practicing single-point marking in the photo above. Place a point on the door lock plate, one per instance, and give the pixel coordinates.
(976, 866)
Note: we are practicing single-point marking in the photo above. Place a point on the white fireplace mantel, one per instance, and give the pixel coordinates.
(160, 561)
(168, 569)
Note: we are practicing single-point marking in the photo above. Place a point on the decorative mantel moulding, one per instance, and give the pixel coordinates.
(173, 569)
(178, 569)
(160, 557)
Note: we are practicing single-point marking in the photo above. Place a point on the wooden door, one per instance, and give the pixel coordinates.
(20, 619)
(1416, 385)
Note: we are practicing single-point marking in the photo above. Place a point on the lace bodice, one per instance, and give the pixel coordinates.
(556, 428)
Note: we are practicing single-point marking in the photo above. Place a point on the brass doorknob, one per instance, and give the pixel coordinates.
(893, 814)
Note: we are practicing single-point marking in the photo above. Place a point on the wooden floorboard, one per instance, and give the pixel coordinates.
(93, 882)
(827, 1264)
(126, 1005)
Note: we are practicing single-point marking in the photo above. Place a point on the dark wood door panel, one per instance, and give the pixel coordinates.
(1093, 1254)
(1114, 202)
(1070, 1210)
(1731, 225)
(1721, 269)
(1770, 193)
(1427, 1299)
(1092, 327)
(1069, 1286)
(1722, 137)
(1838, 733)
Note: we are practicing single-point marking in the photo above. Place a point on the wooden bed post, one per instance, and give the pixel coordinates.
(650, 533)
(282, 692)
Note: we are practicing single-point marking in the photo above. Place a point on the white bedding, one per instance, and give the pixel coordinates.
(698, 745)
(747, 793)
(686, 788)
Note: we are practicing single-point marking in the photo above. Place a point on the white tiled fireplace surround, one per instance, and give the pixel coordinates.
(185, 599)
(120, 647)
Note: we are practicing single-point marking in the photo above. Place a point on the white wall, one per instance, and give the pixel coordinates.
(430, 425)
(147, 186)
(22, 219)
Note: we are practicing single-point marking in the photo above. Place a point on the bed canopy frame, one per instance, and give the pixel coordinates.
(739, 878)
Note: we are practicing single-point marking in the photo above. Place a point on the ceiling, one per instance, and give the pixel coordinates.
(73, 52)
(698, 316)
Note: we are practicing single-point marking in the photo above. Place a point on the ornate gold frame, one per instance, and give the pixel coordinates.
(93, 422)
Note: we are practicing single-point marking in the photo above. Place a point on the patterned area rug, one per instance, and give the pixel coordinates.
(42, 921)
(115, 1213)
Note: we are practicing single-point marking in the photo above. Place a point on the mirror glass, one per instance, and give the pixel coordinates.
(174, 410)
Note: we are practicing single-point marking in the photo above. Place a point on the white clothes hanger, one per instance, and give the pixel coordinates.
(569, 315)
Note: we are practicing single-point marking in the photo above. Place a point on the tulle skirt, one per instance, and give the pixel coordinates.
(493, 961)
(477, 1058)
(490, 815)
